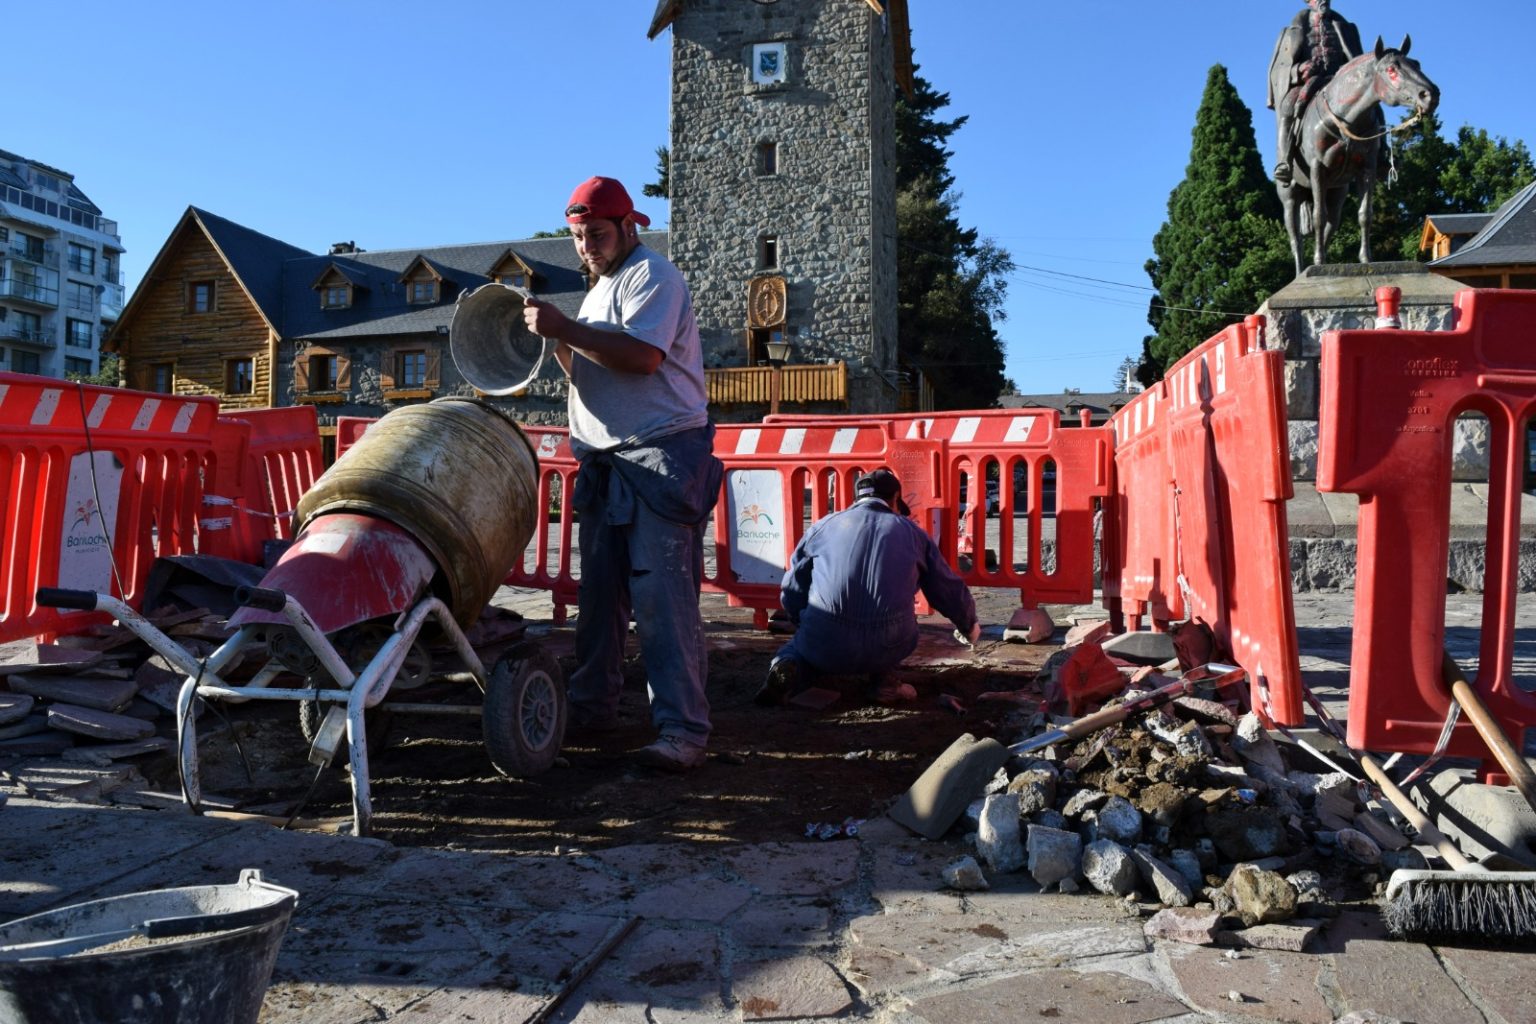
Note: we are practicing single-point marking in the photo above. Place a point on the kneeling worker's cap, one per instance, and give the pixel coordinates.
(602, 199)
(882, 484)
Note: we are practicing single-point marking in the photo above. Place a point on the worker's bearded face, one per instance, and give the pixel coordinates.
(603, 245)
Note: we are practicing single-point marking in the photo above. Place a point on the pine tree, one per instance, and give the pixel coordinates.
(1222, 251)
(950, 284)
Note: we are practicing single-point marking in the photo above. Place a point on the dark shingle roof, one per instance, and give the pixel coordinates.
(1509, 237)
(257, 260)
(1460, 223)
(383, 310)
(1102, 404)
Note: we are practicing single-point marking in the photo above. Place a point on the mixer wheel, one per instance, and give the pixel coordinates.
(524, 715)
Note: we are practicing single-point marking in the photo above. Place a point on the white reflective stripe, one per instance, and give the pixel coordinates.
(99, 411)
(842, 441)
(183, 421)
(793, 441)
(146, 414)
(965, 429)
(746, 441)
(3, 389)
(914, 429)
(1136, 427)
(1018, 429)
(47, 405)
(1151, 410)
(1221, 368)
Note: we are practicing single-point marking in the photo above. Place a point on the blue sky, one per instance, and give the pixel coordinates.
(398, 125)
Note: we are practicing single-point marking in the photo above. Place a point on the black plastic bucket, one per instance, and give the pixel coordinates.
(196, 955)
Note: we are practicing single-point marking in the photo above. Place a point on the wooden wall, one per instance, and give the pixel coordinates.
(159, 329)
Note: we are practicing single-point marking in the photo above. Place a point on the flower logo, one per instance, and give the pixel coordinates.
(84, 513)
(756, 515)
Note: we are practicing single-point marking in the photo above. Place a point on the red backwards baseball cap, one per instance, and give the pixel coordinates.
(602, 199)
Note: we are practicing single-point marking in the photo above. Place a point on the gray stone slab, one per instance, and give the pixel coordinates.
(696, 898)
(782, 923)
(105, 753)
(1500, 977)
(32, 723)
(1306, 514)
(796, 869)
(672, 965)
(98, 725)
(14, 707)
(648, 863)
(489, 1005)
(438, 876)
(35, 744)
(30, 656)
(793, 988)
(1274, 986)
(54, 855)
(1103, 997)
(98, 694)
(1401, 979)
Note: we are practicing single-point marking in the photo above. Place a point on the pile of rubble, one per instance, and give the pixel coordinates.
(1192, 807)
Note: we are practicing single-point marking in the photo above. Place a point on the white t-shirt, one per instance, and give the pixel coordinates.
(648, 300)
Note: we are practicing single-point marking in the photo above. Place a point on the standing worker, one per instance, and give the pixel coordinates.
(850, 587)
(648, 476)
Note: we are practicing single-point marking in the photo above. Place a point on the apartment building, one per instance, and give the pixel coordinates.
(61, 284)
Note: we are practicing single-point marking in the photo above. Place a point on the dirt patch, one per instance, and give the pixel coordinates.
(771, 772)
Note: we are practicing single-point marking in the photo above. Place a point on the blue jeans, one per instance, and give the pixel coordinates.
(834, 647)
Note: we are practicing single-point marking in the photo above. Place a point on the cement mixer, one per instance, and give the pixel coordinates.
(414, 527)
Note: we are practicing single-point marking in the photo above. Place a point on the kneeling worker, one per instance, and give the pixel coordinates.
(850, 588)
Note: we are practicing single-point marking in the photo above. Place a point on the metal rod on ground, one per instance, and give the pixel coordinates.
(1504, 752)
(579, 973)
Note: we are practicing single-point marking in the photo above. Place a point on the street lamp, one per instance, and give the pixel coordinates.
(777, 354)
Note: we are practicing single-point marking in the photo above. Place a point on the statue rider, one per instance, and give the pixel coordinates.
(1312, 47)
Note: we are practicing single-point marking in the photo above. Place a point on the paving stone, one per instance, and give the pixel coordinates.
(99, 694)
(1500, 977)
(439, 876)
(697, 898)
(105, 753)
(1400, 979)
(790, 989)
(299, 998)
(1276, 986)
(648, 863)
(796, 869)
(1184, 924)
(550, 883)
(1291, 937)
(38, 744)
(919, 944)
(488, 1005)
(100, 725)
(671, 964)
(783, 923)
(21, 656)
(1061, 947)
(1102, 997)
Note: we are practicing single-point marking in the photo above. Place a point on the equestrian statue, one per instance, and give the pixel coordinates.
(1327, 96)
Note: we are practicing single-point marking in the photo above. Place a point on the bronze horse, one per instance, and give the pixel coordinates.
(1340, 143)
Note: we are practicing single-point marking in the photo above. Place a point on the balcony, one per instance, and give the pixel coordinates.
(811, 382)
(23, 290)
(111, 301)
(26, 336)
(48, 256)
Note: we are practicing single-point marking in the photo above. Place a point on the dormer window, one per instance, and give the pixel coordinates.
(509, 269)
(337, 296)
(338, 286)
(423, 283)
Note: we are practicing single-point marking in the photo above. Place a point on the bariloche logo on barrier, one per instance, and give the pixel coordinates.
(757, 543)
(85, 555)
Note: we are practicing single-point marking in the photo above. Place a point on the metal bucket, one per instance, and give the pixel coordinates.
(457, 474)
(176, 956)
(490, 345)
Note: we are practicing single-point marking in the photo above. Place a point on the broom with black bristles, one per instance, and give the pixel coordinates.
(1469, 901)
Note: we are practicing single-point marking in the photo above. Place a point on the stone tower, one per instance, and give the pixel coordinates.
(783, 170)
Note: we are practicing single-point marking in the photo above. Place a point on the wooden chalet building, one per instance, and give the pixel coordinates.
(1486, 250)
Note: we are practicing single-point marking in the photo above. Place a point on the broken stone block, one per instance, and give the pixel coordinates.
(1162, 803)
(1108, 867)
(1292, 937)
(1087, 631)
(1206, 712)
(1184, 924)
(1358, 846)
(1335, 810)
(1245, 832)
(1029, 626)
(1083, 800)
(1188, 865)
(998, 841)
(99, 694)
(1053, 854)
(1261, 897)
(1118, 820)
(940, 794)
(44, 744)
(1036, 789)
(100, 725)
(33, 723)
(1050, 818)
(1257, 749)
(965, 874)
(1383, 834)
(1171, 889)
(27, 656)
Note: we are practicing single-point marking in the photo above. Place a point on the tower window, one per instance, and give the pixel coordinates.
(767, 158)
(767, 252)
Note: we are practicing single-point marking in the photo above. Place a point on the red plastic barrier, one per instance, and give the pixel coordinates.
(349, 429)
(779, 478)
(550, 566)
(1202, 478)
(82, 465)
(266, 459)
(1004, 445)
(1388, 408)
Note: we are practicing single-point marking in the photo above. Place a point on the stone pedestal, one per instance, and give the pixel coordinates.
(1322, 526)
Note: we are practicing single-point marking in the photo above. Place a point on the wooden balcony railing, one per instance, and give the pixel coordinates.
(812, 382)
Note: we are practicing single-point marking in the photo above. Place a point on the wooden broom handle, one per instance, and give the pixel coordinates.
(1408, 809)
(1488, 728)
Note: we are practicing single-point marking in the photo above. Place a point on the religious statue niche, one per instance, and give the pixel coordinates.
(766, 302)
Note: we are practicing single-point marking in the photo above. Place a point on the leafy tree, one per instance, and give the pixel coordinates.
(950, 284)
(1124, 374)
(1222, 251)
(106, 374)
(1474, 174)
(661, 188)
